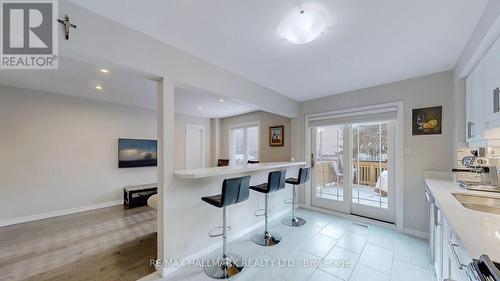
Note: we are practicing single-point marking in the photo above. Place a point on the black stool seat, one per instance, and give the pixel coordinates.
(293, 181)
(275, 182)
(234, 191)
(215, 200)
(262, 188)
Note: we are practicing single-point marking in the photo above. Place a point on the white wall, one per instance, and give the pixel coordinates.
(434, 152)
(266, 153)
(180, 139)
(60, 152)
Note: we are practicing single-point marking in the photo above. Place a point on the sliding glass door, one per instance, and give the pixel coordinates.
(329, 184)
(352, 170)
(372, 183)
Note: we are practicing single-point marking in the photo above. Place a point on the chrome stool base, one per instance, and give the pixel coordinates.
(224, 268)
(293, 221)
(266, 239)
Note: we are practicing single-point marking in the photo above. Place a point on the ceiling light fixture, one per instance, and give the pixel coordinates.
(104, 70)
(200, 107)
(98, 87)
(221, 100)
(303, 26)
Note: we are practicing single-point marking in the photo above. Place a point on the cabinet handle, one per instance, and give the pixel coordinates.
(455, 255)
(496, 100)
(427, 196)
(437, 223)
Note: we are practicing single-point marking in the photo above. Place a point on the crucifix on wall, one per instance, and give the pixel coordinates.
(67, 25)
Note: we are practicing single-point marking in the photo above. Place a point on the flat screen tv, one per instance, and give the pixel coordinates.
(137, 153)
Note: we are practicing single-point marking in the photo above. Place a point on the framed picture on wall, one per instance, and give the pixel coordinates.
(277, 136)
(427, 121)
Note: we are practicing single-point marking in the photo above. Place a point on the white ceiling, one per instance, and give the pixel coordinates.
(188, 101)
(368, 43)
(79, 79)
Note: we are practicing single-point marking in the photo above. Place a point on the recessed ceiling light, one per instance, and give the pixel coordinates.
(221, 100)
(200, 107)
(302, 26)
(104, 70)
(98, 87)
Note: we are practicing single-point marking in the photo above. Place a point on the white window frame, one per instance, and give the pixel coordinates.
(231, 141)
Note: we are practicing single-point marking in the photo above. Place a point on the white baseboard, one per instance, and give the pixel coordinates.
(416, 233)
(164, 272)
(348, 216)
(59, 213)
(408, 231)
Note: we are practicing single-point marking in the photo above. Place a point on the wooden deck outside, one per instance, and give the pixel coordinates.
(367, 172)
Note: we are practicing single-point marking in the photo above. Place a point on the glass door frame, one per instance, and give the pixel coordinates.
(339, 206)
(387, 215)
(399, 150)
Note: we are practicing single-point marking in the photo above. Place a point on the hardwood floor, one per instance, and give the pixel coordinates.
(105, 244)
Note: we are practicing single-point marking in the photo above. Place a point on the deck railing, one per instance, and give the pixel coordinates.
(367, 172)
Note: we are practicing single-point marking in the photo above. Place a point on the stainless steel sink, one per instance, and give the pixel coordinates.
(479, 203)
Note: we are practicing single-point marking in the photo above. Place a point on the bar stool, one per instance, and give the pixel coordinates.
(234, 191)
(303, 177)
(275, 182)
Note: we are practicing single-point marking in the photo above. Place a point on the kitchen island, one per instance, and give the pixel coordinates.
(188, 219)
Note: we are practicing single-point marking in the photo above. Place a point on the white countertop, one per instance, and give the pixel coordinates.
(478, 231)
(222, 171)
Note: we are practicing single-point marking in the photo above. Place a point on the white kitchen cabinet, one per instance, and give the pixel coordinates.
(436, 237)
(455, 258)
(448, 257)
(474, 96)
(491, 65)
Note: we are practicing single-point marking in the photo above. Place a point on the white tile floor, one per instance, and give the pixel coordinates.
(371, 254)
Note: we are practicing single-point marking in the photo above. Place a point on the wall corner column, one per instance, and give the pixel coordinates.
(166, 159)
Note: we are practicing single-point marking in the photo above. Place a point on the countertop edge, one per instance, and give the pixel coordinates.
(221, 171)
(442, 185)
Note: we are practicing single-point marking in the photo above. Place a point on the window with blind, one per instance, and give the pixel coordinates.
(244, 144)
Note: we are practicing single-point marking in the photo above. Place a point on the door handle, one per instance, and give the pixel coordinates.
(496, 100)
(312, 160)
(469, 126)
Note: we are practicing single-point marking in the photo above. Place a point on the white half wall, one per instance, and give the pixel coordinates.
(61, 152)
(433, 152)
